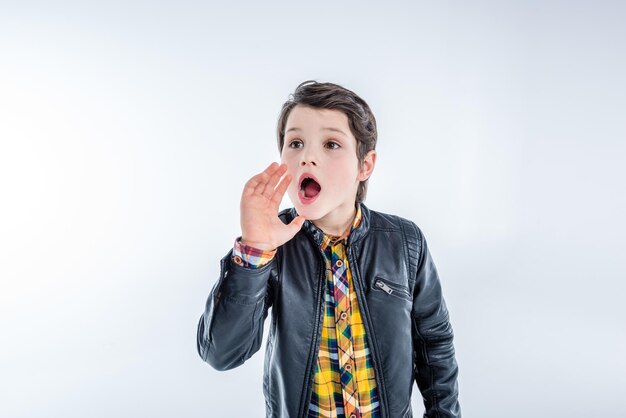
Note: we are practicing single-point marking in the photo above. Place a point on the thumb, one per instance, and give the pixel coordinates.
(291, 229)
(296, 223)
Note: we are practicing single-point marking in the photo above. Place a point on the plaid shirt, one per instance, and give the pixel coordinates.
(344, 377)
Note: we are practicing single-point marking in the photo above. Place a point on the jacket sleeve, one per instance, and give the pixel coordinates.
(435, 366)
(230, 330)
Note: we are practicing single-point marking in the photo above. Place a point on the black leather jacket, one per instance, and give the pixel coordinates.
(402, 306)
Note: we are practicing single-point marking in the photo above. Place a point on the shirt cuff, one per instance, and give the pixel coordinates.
(251, 257)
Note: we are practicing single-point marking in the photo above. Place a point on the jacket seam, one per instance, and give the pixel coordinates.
(406, 251)
(383, 229)
(418, 244)
(314, 346)
(425, 351)
(420, 240)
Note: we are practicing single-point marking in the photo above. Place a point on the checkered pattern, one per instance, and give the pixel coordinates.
(248, 256)
(344, 381)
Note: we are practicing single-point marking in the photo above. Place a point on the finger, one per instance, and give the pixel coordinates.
(271, 168)
(291, 229)
(296, 224)
(265, 176)
(271, 184)
(277, 197)
(260, 179)
(298, 221)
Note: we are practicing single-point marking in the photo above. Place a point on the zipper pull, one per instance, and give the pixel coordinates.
(383, 286)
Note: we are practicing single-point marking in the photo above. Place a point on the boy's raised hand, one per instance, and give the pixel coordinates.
(260, 225)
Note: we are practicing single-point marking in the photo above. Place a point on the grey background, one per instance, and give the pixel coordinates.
(128, 129)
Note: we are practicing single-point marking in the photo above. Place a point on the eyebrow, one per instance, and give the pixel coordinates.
(323, 129)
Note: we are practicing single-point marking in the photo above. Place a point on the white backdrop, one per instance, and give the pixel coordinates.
(127, 131)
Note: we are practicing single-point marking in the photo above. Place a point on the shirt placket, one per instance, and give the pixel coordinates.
(343, 312)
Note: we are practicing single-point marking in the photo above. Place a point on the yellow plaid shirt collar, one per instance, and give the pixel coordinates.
(333, 239)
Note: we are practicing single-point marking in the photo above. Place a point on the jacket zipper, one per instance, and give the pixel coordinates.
(370, 332)
(380, 284)
(391, 289)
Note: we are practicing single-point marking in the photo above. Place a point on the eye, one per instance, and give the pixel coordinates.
(296, 143)
(332, 145)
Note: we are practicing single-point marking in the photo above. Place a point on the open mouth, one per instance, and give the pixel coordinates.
(309, 187)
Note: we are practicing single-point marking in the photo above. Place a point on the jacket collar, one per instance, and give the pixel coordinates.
(318, 235)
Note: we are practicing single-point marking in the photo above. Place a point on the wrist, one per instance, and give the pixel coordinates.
(265, 246)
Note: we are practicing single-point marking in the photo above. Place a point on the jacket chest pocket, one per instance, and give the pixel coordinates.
(391, 289)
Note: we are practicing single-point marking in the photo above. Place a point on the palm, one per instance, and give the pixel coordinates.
(260, 201)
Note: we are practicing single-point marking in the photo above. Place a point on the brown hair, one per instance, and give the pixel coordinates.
(332, 96)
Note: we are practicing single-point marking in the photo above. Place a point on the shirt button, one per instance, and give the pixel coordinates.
(352, 415)
(343, 315)
(237, 260)
(339, 263)
(348, 367)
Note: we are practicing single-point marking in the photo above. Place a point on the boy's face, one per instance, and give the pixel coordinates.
(319, 144)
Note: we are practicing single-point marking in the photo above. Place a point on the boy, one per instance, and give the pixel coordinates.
(357, 307)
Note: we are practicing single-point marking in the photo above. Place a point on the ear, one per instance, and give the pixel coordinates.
(367, 167)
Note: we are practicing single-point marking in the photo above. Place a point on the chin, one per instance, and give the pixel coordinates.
(310, 212)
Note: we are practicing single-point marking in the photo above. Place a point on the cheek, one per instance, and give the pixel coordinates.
(291, 168)
(284, 159)
(344, 169)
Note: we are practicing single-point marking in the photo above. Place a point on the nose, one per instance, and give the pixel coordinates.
(308, 157)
